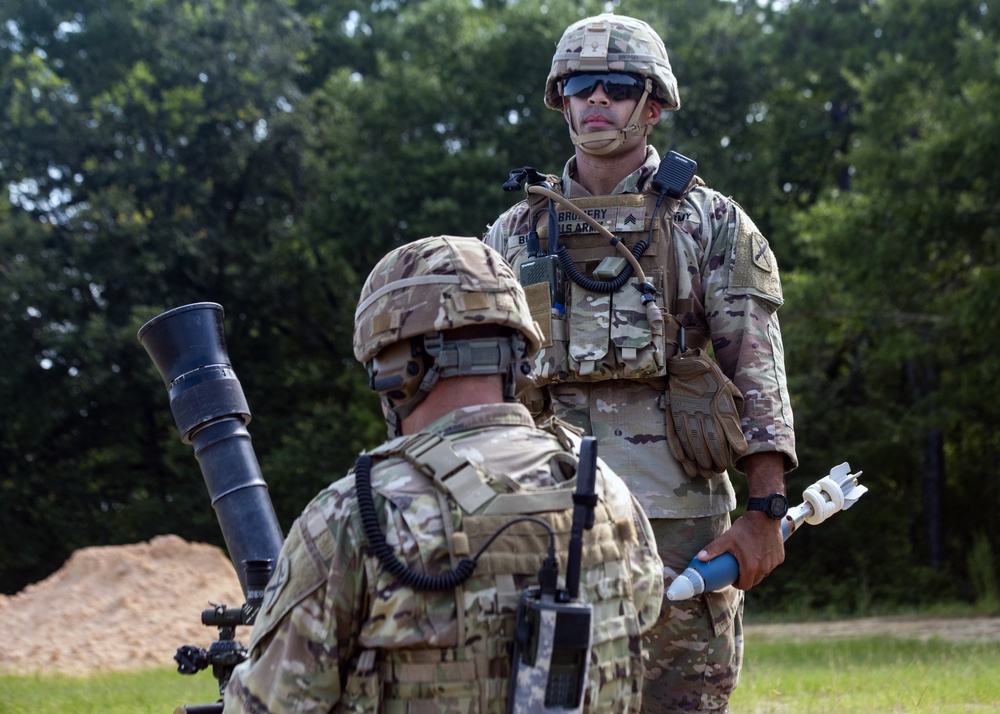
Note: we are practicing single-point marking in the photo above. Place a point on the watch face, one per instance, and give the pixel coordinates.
(777, 506)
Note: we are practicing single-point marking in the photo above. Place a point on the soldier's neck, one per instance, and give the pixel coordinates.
(601, 174)
(453, 393)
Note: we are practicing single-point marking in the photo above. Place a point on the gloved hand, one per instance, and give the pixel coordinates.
(704, 409)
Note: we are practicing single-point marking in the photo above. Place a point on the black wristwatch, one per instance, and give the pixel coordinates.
(775, 505)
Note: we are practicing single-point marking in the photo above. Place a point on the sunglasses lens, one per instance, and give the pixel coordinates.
(618, 87)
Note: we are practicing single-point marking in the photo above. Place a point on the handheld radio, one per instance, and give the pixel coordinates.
(554, 632)
(545, 267)
(541, 266)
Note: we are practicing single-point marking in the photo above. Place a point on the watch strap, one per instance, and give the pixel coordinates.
(764, 504)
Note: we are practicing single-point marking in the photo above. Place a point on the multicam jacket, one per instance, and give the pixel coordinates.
(338, 633)
(716, 276)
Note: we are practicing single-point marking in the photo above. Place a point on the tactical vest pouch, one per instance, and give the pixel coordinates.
(589, 335)
(611, 698)
(432, 698)
(638, 350)
(363, 689)
(610, 336)
(458, 679)
(550, 363)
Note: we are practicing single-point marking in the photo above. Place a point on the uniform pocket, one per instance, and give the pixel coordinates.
(639, 352)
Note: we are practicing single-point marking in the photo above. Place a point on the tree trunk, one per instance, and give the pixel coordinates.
(932, 467)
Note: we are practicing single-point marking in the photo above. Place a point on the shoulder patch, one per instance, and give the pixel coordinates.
(299, 572)
(276, 585)
(755, 269)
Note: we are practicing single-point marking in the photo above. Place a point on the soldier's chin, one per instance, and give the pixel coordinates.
(596, 145)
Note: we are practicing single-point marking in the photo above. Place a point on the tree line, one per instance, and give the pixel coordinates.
(264, 155)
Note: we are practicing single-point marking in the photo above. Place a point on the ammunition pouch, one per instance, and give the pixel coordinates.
(593, 335)
(362, 692)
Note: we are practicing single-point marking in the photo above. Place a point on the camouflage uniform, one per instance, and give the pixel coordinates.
(338, 633)
(726, 290)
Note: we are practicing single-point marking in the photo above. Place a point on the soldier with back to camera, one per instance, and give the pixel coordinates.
(634, 268)
(372, 607)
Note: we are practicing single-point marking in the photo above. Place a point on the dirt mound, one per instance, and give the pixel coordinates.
(118, 608)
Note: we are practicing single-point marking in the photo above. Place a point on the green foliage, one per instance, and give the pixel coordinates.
(880, 329)
(982, 564)
(168, 177)
(265, 155)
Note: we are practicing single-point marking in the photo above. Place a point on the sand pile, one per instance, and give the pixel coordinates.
(118, 608)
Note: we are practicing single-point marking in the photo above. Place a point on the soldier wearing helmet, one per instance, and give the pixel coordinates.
(631, 58)
(663, 342)
(367, 610)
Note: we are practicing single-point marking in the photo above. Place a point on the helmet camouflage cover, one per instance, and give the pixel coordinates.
(437, 284)
(612, 43)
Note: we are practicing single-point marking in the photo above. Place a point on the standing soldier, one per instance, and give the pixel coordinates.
(627, 324)
(369, 608)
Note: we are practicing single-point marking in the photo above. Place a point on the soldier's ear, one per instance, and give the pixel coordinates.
(654, 110)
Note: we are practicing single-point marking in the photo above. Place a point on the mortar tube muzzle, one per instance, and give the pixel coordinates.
(188, 347)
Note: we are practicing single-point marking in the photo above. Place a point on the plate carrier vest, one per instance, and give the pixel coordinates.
(602, 336)
(473, 676)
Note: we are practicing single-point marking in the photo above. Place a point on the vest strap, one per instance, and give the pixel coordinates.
(527, 503)
(451, 472)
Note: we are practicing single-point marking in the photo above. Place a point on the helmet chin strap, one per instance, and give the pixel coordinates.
(617, 136)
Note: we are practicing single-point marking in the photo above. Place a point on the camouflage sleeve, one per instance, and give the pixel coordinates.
(513, 221)
(497, 234)
(742, 292)
(647, 569)
(644, 561)
(308, 624)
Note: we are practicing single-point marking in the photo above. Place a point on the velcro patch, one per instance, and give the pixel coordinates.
(621, 213)
(276, 584)
(473, 301)
(540, 304)
(383, 322)
(761, 253)
(755, 269)
(504, 301)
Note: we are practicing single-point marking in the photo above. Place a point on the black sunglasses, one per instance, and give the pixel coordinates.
(617, 86)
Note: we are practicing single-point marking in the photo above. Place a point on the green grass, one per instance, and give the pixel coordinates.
(869, 675)
(152, 691)
(849, 675)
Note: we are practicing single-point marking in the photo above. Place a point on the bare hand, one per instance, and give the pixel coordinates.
(755, 541)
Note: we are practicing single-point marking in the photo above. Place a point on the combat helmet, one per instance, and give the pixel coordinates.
(424, 313)
(613, 43)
